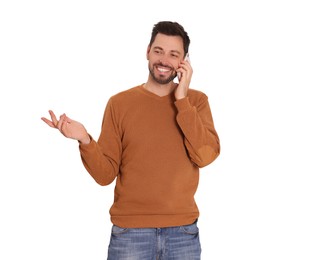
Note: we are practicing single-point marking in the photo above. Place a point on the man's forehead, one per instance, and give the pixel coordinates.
(168, 43)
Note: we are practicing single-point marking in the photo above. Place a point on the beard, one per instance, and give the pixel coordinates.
(161, 80)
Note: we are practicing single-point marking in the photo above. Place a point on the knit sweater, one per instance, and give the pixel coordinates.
(153, 147)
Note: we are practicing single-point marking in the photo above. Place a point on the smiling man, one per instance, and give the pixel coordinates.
(154, 138)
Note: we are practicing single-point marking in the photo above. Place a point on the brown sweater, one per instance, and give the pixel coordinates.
(155, 147)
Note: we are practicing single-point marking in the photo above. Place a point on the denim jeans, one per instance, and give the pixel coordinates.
(172, 243)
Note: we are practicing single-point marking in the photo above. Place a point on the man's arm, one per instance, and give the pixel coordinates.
(102, 166)
(102, 158)
(196, 123)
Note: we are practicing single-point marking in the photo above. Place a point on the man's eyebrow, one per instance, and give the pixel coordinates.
(160, 48)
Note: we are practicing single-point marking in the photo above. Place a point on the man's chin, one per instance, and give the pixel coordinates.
(165, 81)
(162, 79)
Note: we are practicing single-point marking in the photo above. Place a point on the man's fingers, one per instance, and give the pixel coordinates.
(60, 122)
(67, 119)
(48, 122)
(53, 118)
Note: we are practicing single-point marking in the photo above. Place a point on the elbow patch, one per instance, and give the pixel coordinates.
(205, 155)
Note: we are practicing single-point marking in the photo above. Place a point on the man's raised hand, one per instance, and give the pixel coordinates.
(68, 127)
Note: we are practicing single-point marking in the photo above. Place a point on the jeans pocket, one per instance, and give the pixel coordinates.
(190, 229)
(118, 230)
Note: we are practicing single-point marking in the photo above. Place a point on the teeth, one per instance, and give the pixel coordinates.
(163, 70)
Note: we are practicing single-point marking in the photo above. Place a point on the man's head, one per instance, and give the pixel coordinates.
(168, 46)
(171, 29)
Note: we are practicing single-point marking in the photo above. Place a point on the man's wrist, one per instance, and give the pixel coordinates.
(178, 97)
(85, 140)
(183, 104)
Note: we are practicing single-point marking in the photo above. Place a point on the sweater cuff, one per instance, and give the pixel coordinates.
(183, 104)
(84, 147)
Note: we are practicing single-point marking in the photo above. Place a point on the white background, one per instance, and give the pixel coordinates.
(253, 59)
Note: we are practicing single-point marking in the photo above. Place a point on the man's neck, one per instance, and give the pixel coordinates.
(160, 89)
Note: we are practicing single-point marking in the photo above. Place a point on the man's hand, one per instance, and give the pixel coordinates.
(68, 127)
(185, 71)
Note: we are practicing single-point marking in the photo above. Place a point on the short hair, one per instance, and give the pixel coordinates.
(171, 29)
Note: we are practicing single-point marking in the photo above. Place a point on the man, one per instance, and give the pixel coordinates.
(154, 139)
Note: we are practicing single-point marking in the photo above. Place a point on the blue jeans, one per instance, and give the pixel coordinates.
(172, 243)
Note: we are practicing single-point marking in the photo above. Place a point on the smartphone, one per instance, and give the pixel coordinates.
(186, 59)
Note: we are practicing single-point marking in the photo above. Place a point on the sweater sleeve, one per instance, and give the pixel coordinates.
(102, 158)
(201, 139)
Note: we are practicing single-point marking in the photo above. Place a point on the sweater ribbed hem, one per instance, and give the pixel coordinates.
(154, 221)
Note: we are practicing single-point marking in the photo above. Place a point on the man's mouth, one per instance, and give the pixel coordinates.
(163, 70)
(162, 73)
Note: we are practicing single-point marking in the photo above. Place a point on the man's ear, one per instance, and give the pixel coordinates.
(148, 50)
